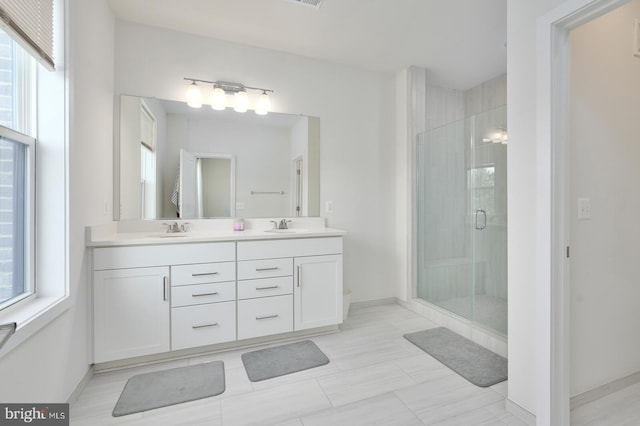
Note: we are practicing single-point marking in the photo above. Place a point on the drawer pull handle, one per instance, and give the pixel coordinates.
(204, 325)
(204, 274)
(275, 268)
(267, 317)
(267, 288)
(204, 294)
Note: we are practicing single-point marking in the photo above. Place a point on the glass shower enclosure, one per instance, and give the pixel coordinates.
(462, 218)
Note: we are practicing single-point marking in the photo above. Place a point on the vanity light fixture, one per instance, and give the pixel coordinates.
(500, 136)
(194, 96)
(218, 99)
(241, 101)
(219, 96)
(264, 104)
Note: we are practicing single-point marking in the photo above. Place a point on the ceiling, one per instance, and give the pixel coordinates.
(461, 41)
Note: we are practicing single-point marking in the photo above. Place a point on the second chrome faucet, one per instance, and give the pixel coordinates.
(280, 225)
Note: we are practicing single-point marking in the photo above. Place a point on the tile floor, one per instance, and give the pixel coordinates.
(375, 377)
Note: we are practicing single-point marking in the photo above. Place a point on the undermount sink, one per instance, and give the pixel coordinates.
(284, 231)
(168, 235)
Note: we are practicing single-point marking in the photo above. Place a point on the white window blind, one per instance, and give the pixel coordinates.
(31, 22)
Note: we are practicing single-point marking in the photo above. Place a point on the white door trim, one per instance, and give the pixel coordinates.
(552, 169)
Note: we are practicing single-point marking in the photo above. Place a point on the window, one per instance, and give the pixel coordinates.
(147, 162)
(481, 183)
(17, 156)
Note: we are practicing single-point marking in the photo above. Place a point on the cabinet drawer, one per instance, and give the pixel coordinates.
(203, 273)
(265, 268)
(162, 254)
(250, 289)
(199, 294)
(265, 316)
(202, 325)
(289, 247)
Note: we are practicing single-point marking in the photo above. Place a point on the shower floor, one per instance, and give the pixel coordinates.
(490, 311)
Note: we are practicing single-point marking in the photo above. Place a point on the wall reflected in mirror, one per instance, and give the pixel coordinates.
(180, 162)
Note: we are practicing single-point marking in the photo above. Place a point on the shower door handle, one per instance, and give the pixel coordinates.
(481, 219)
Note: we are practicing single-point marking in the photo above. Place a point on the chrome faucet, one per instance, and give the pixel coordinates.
(280, 225)
(283, 224)
(175, 227)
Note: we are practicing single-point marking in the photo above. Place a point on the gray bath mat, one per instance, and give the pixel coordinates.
(280, 360)
(168, 387)
(475, 363)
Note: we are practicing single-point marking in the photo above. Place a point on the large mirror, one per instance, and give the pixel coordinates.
(181, 162)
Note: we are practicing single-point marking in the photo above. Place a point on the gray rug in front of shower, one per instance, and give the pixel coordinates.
(168, 387)
(277, 361)
(475, 363)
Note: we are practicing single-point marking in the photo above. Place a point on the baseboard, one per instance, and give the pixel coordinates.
(371, 303)
(211, 349)
(604, 390)
(80, 387)
(521, 413)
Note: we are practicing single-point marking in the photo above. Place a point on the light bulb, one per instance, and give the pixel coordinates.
(241, 101)
(264, 104)
(194, 96)
(218, 99)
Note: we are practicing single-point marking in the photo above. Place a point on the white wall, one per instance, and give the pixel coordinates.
(521, 100)
(605, 167)
(48, 366)
(355, 109)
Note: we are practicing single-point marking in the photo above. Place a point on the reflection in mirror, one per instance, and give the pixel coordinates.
(206, 186)
(177, 161)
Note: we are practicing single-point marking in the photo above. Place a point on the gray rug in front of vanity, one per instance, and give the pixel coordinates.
(475, 363)
(277, 361)
(168, 387)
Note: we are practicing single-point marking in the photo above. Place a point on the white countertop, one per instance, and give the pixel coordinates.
(115, 234)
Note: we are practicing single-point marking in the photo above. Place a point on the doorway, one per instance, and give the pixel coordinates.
(555, 197)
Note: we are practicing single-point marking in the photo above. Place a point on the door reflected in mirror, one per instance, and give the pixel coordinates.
(177, 161)
(206, 186)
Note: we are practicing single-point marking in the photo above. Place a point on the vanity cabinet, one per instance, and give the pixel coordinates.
(149, 299)
(132, 301)
(131, 312)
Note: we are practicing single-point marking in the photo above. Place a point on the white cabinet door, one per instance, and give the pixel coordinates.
(317, 291)
(131, 312)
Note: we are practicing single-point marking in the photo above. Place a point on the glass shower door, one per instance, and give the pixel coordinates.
(487, 186)
(444, 272)
(461, 218)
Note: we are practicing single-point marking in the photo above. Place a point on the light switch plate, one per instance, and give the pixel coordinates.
(240, 205)
(329, 207)
(584, 208)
